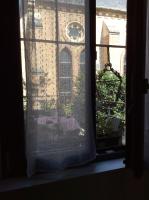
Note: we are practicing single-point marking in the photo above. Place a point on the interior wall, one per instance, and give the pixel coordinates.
(120, 185)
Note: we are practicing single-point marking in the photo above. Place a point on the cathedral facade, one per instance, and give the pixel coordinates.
(55, 39)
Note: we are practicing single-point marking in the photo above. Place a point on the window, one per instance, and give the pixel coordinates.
(12, 145)
(110, 78)
(75, 32)
(65, 75)
(82, 62)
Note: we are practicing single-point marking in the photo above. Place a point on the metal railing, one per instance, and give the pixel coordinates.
(110, 96)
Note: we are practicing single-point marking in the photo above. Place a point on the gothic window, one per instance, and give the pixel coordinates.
(82, 61)
(65, 74)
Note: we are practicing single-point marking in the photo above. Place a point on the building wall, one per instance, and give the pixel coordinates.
(111, 30)
(49, 43)
(51, 38)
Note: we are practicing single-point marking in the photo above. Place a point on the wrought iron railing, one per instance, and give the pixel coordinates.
(110, 97)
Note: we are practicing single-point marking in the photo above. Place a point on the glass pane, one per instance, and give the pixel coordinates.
(56, 88)
(39, 19)
(110, 73)
(82, 57)
(111, 22)
(73, 27)
(65, 56)
(117, 58)
(65, 70)
(65, 85)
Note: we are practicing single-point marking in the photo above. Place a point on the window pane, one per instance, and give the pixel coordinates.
(65, 70)
(65, 84)
(110, 73)
(82, 57)
(58, 128)
(73, 27)
(111, 22)
(65, 56)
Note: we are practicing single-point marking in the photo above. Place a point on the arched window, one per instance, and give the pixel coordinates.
(82, 61)
(65, 75)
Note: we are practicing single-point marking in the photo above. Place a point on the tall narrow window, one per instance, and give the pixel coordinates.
(65, 76)
(110, 76)
(82, 62)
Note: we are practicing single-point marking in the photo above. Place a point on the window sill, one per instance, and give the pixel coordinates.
(90, 169)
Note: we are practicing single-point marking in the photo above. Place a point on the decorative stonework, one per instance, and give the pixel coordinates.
(110, 13)
(75, 32)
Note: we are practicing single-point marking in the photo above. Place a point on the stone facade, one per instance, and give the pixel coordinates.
(53, 29)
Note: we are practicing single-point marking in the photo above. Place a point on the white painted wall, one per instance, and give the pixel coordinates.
(114, 25)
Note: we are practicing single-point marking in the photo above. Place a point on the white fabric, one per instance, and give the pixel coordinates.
(58, 128)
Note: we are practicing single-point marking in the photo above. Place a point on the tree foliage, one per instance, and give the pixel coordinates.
(110, 103)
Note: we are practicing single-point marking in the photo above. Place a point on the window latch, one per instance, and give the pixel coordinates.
(146, 86)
